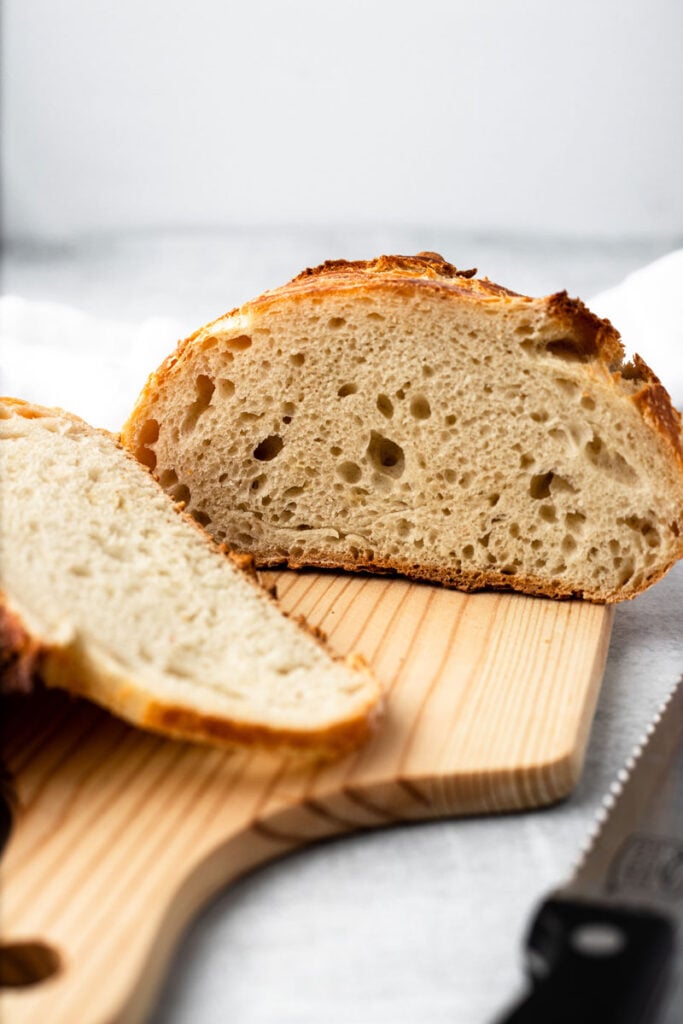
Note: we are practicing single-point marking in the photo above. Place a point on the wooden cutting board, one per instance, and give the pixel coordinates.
(120, 837)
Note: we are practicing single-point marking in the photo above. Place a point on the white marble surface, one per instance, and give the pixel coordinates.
(424, 922)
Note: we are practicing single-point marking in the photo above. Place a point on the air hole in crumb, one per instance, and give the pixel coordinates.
(450, 420)
(385, 455)
(257, 483)
(513, 530)
(610, 462)
(574, 521)
(569, 349)
(468, 551)
(525, 461)
(560, 485)
(181, 492)
(420, 408)
(493, 499)
(149, 432)
(226, 387)
(587, 402)
(238, 344)
(427, 371)
(347, 389)
(268, 448)
(450, 476)
(200, 517)
(400, 394)
(539, 486)
(627, 570)
(335, 322)
(168, 478)
(335, 450)
(385, 406)
(375, 316)
(569, 387)
(568, 544)
(147, 457)
(204, 388)
(644, 526)
(540, 416)
(349, 472)
(297, 359)
(403, 527)
(548, 513)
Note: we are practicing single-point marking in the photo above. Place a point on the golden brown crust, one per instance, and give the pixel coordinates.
(331, 742)
(655, 406)
(426, 270)
(20, 653)
(65, 669)
(25, 661)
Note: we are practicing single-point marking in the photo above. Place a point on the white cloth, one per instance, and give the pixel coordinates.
(53, 354)
(646, 309)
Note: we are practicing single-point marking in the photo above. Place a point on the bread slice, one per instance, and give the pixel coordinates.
(398, 414)
(109, 592)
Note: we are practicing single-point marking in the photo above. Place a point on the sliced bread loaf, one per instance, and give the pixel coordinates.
(398, 414)
(107, 591)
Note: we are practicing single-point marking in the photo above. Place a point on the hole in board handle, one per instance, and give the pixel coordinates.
(27, 963)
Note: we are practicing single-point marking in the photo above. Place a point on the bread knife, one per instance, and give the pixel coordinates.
(603, 948)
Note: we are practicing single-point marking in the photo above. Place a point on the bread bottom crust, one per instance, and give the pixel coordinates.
(469, 582)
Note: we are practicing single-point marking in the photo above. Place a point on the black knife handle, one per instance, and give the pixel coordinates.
(592, 963)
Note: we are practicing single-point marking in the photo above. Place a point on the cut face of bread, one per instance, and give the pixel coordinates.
(109, 592)
(400, 415)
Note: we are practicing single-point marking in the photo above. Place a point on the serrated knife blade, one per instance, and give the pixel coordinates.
(605, 948)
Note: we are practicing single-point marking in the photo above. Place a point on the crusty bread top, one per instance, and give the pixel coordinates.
(594, 337)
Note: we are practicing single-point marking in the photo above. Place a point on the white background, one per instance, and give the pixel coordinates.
(499, 116)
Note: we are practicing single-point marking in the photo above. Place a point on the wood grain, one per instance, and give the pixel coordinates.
(121, 836)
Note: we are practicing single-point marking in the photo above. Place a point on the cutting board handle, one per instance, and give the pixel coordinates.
(43, 972)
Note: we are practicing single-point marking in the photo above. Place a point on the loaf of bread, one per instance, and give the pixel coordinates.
(108, 591)
(400, 415)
